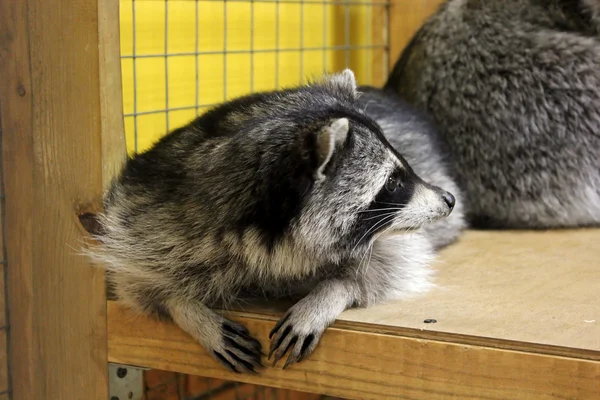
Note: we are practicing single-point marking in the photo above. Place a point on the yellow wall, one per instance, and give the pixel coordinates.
(322, 26)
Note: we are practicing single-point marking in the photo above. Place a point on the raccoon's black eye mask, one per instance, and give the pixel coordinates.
(397, 190)
(392, 184)
(398, 179)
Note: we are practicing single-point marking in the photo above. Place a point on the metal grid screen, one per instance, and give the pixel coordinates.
(180, 57)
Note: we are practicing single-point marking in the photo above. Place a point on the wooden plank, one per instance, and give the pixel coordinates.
(17, 155)
(55, 147)
(527, 291)
(4, 381)
(405, 18)
(114, 148)
(517, 318)
(4, 384)
(379, 37)
(536, 289)
(366, 365)
(2, 259)
(2, 289)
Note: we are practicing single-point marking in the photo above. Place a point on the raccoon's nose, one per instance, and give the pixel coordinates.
(449, 199)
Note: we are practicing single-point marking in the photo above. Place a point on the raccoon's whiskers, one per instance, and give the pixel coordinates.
(365, 266)
(362, 260)
(411, 227)
(377, 236)
(382, 216)
(367, 105)
(378, 224)
(381, 209)
(390, 204)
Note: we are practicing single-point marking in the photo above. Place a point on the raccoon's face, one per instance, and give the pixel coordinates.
(403, 203)
(363, 188)
(313, 175)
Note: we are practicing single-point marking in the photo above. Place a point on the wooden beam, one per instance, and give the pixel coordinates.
(4, 381)
(517, 317)
(60, 143)
(405, 19)
(365, 364)
(114, 147)
(379, 38)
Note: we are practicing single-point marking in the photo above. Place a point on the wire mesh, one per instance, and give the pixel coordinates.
(180, 57)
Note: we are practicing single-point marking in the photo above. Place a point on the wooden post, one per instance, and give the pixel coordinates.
(405, 19)
(4, 383)
(62, 138)
(379, 37)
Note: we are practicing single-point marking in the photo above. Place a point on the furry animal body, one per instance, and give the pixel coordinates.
(294, 192)
(418, 140)
(514, 87)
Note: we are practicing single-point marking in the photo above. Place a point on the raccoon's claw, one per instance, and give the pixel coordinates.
(286, 335)
(239, 352)
(235, 328)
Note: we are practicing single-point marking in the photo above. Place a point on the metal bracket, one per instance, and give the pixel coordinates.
(125, 382)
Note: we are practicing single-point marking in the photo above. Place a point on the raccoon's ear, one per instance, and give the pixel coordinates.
(344, 82)
(328, 138)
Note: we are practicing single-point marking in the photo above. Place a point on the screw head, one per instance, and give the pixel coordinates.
(121, 373)
(430, 321)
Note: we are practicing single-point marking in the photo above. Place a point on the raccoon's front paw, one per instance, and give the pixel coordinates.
(298, 331)
(236, 349)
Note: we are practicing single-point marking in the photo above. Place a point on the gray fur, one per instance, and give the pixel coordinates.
(514, 86)
(295, 192)
(419, 142)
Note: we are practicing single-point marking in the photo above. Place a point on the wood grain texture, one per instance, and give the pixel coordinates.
(3, 320)
(517, 317)
(2, 249)
(4, 384)
(529, 291)
(405, 18)
(4, 375)
(16, 116)
(114, 149)
(55, 149)
(367, 365)
(532, 289)
(379, 37)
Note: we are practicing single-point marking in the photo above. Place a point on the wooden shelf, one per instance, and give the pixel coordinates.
(518, 316)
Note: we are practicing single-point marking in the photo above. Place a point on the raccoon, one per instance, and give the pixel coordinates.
(514, 86)
(288, 193)
(417, 138)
